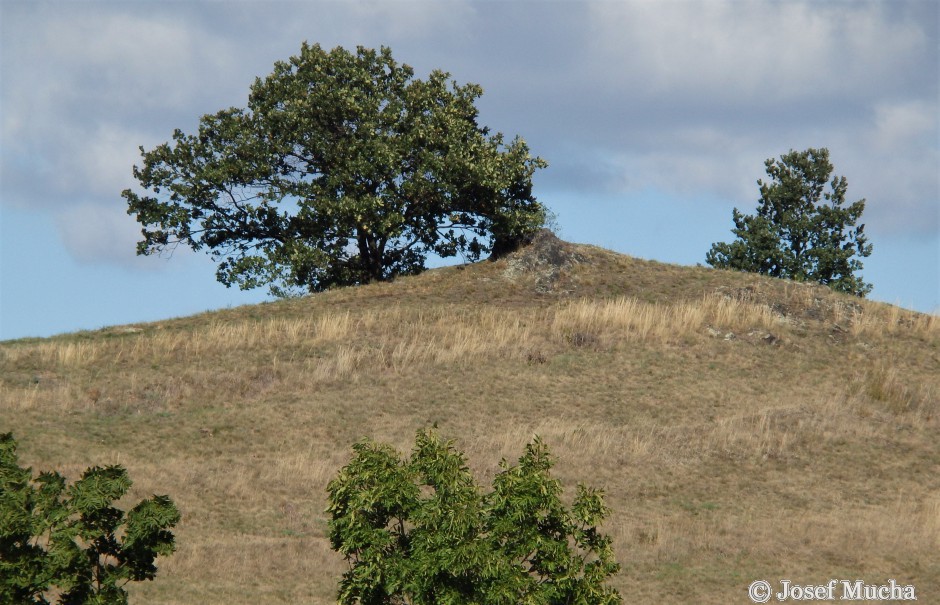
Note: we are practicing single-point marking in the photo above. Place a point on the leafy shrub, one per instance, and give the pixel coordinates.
(70, 541)
(419, 531)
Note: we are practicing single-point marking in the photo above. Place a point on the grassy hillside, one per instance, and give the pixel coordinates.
(743, 428)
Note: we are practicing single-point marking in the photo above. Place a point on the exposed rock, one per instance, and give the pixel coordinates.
(715, 333)
(544, 259)
(764, 337)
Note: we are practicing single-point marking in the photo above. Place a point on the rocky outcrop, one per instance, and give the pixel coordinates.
(543, 260)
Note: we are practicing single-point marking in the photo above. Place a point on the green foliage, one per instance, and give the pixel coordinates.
(419, 531)
(343, 169)
(794, 235)
(68, 540)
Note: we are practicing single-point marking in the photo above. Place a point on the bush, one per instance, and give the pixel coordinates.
(70, 541)
(419, 531)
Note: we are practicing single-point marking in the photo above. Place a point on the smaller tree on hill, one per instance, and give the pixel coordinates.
(71, 541)
(419, 531)
(801, 230)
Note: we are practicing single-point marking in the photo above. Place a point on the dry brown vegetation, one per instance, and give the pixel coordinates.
(742, 427)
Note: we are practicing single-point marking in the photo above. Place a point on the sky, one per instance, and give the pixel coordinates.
(655, 117)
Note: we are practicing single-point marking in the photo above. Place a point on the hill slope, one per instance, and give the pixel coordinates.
(743, 428)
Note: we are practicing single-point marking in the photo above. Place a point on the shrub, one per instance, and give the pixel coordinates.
(418, 530)
(69, 541)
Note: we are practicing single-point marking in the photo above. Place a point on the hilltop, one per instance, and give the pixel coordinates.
(742, 427)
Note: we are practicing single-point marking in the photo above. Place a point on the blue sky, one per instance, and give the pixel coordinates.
(655, 117)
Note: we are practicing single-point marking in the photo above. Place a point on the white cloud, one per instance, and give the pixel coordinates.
(131, 62)
(691, 97)
(897, 162)
(687, 97)
(93, 161)
(908, 124)
(81, 86)
(741, 52)
(95, 233)
(412, 20)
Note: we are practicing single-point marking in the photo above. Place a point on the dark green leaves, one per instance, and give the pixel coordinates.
(343, 169)
(420, 531)
(801, 231)
(70, 540)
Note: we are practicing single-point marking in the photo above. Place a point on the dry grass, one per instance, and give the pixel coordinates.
(742, 428)
(653, 322)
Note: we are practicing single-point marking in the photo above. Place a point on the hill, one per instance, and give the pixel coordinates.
(743, 428)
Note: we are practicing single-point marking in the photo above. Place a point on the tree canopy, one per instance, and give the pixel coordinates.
(69, 542)
(419, 531)
(344, 168)
(801, 231)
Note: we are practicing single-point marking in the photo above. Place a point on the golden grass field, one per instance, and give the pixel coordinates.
(742, 428)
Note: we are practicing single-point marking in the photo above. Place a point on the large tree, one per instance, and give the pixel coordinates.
(344, 168)
(801, 230)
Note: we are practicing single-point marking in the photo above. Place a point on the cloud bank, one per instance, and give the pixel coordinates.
(687, 98)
